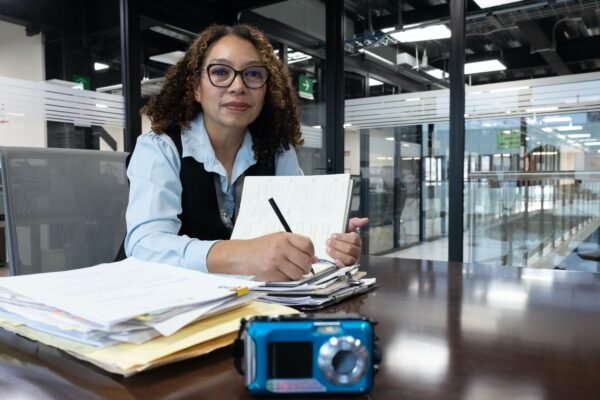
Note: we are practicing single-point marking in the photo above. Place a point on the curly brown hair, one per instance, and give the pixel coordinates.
(277, 125)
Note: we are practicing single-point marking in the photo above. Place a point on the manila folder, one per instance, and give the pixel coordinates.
(193, 340)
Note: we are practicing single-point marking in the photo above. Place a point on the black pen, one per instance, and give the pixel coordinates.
(283, 222)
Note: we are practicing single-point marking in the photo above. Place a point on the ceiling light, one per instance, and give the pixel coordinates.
(374, 82)
(579, 135)
(391, 139)
(494, 3)
(413, 99)
(431, 32)
(168, 58)
(547, 130)
(376, 57)
(591, 144)
(568, 128)
(295, 56)
(101, 106)
(483, 66)
(347, 125)
(388, 29)
(100, 66)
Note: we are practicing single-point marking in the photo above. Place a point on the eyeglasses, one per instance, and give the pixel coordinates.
(221, 75)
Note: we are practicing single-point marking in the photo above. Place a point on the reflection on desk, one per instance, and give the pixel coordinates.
(447, 330)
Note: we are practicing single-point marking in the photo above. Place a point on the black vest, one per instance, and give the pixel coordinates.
(200, 216)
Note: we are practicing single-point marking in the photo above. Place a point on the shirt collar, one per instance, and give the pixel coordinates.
(196, 144)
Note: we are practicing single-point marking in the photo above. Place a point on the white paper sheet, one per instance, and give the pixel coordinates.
(110, 293)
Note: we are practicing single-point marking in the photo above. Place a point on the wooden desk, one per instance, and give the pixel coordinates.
(448, 331)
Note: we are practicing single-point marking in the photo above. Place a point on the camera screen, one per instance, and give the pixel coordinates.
(290, 360)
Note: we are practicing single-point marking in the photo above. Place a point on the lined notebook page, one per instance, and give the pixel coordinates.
(315, 206)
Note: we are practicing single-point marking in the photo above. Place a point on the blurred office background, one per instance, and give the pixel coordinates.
(532, 107)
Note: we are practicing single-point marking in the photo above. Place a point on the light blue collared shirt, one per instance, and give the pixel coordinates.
(155, 193)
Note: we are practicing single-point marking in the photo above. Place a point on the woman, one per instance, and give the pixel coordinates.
(227, 110)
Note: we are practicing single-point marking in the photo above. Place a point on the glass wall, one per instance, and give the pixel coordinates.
(51, 65)
(304, 23)
(531, 141)
(308, 79)
(531, 172)
(532, 193)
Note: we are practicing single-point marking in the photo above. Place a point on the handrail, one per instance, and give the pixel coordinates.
(523, 175)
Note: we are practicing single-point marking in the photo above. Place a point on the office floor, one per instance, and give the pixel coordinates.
(436, 250)
(565, 258)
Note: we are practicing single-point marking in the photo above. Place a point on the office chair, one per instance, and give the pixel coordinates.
(64, 208)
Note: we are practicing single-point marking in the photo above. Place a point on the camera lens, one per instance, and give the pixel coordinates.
(343, 360)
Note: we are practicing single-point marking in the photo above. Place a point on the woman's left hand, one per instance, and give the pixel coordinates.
(345, 248)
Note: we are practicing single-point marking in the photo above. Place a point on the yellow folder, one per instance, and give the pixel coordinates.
(193, 340)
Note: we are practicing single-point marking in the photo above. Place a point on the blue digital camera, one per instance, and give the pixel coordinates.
(307, 354)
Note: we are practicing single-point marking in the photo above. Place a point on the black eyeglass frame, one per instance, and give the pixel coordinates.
(235, 74)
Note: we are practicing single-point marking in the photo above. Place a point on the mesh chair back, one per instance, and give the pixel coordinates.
(64, 208)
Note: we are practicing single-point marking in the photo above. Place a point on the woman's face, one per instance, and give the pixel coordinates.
(236, 106)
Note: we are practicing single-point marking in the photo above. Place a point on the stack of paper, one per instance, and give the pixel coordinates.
(313, 292)
(133, 306)
(196, 339)
(129, 301)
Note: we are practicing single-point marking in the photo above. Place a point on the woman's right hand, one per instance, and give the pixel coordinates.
(280, 256)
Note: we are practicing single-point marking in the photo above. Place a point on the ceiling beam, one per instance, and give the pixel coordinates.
(300, 40)
(540, 43)
(190, 16)
(406, 80)
(287, 35)
(41, 15)
(582, 49)
(246, 5)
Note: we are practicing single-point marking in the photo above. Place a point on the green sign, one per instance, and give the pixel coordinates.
(508, 139)
(305, 87)
(85, 81)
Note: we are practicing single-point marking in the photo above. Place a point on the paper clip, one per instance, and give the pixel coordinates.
(351, 281)
(239, 290)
